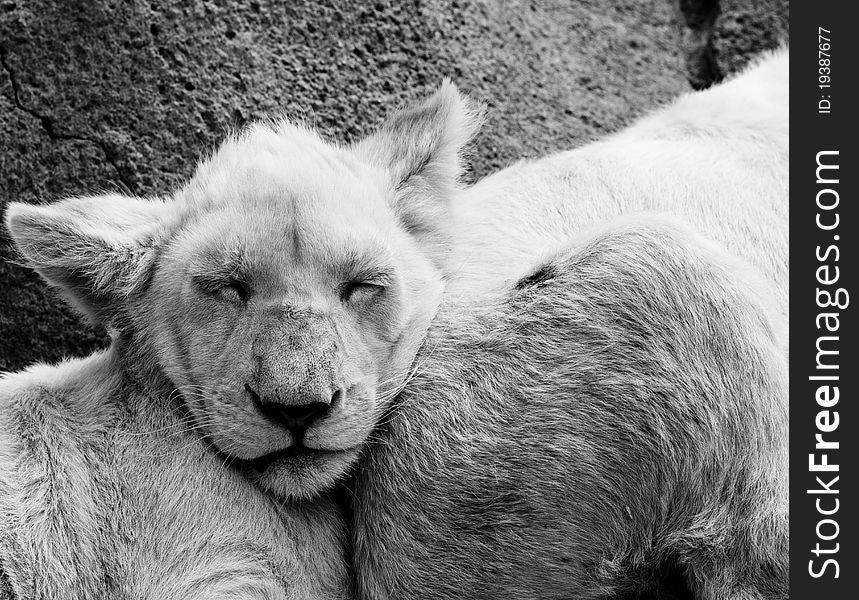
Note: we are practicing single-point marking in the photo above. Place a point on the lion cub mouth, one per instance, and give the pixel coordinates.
(296, 472)
(296, 452)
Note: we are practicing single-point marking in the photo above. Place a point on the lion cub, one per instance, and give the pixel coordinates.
(258, 316)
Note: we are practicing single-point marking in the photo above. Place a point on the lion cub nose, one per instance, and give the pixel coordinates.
(296, 416)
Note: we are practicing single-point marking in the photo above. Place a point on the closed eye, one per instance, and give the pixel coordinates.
(356, 290)
(231, 290)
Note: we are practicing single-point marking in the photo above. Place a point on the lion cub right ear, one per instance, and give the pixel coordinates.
(97, 250)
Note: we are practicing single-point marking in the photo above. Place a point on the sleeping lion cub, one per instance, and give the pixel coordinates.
(541, 409)
(258, 316)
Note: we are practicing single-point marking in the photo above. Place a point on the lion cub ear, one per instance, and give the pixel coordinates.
(97, 250)
(420, 149)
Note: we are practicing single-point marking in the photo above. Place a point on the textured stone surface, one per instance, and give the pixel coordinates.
(127, 95)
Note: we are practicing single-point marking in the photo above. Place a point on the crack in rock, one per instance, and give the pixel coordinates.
(50, 129)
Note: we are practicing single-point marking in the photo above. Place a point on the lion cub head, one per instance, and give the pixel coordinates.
(281, 294)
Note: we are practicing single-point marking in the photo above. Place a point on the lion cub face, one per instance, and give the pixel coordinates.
(282, 294)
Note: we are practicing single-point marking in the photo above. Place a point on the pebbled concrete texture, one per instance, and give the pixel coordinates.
(104, 95)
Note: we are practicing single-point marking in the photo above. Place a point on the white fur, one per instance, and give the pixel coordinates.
(716, 159)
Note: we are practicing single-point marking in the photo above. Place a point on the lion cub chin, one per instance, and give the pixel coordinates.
(282, 294)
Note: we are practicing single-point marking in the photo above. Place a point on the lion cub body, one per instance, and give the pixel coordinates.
(106, 494)
(620, 413)
(594, 409)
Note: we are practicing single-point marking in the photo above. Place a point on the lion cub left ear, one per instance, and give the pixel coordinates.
(97, 250)
(420, 149)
